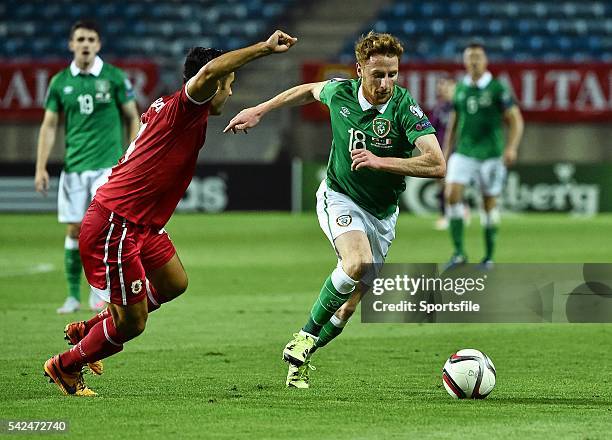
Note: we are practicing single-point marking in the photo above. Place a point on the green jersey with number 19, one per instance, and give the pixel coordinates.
(387, 130)
(91, 103)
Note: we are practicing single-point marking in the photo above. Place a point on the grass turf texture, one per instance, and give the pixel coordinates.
(208, 365)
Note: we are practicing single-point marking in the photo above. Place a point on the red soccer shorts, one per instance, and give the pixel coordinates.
(117, 254)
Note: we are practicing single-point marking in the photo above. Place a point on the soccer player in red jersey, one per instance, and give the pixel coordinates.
(127, 256)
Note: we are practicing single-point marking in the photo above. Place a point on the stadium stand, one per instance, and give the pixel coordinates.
(136, 28)
(519, 30)
(544, 30)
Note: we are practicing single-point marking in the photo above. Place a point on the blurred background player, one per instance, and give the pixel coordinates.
(376, 125)
(128, 257)
(445, 89)
(94, 97)
(475, 148)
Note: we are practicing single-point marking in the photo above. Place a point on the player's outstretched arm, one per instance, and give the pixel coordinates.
(514, 119)
(298, 95)
(46, 140)
(204, 84)
(430, 163)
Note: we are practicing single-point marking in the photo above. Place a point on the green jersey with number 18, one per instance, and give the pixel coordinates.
(91, 103)
(388, 130)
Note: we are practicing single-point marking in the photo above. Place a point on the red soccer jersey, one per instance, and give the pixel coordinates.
(152, 176)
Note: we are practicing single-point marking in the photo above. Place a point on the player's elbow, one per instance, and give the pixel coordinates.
(208, 73)
(200, 80)
(439, 169)
(49, 123)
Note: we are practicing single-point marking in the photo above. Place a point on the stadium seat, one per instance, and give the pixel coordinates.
(431, 9)
(458, 9)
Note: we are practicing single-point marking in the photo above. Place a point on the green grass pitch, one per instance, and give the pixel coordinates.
(208, 365)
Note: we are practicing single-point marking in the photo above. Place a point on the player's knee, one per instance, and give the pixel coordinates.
(131, 327)
(490, 204)
(175, 287)
(181, 285)
(346, 311)
(139, 326)
(73, 230)
(452, 196)
(356, 265)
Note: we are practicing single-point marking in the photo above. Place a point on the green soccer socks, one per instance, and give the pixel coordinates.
(73, 267)
(335, 291)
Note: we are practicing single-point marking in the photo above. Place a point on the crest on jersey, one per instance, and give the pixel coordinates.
(416, 111)
(136, 287)
(381, 127)
(485, 99)
(344, 220)
(102, 86)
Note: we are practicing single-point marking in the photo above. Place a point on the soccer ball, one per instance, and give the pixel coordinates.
(469, 374)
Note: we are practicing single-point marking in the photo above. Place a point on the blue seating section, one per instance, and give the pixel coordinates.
(139, 28)
(519, 30)
(523, 30)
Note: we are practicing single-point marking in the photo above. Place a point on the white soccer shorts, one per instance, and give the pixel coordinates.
(338, 214)
(76, 190)
(489, 174)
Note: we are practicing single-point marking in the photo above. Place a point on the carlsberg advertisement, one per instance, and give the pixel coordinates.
(582, 189)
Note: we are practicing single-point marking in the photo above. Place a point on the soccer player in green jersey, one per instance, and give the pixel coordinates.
(376, 125)
(94, 97)
(482, 104)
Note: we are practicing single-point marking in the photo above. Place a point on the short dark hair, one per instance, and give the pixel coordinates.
(85, 24)
(476, 44)
(196, 58)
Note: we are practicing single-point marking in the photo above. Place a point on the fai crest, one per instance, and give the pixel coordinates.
(381, 127)
(102, 86)
(136, 287)
(344, 220)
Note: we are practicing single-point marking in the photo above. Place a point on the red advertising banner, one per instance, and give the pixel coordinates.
(551, 92)
(23, 85)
